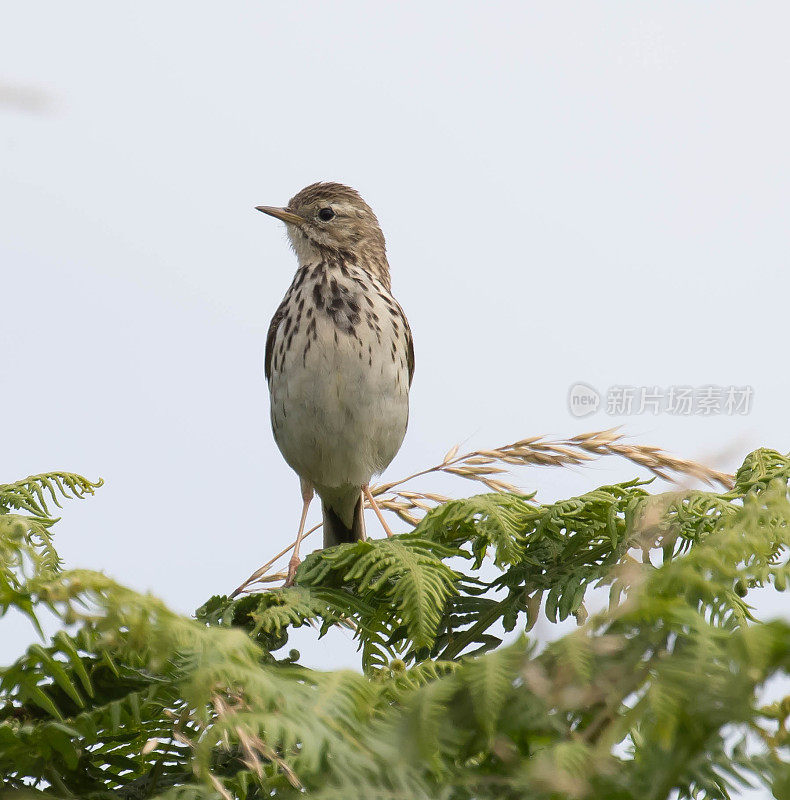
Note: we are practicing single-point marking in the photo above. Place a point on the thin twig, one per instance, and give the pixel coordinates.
(259, 573)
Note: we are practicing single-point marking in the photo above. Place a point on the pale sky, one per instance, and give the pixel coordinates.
(583, 191)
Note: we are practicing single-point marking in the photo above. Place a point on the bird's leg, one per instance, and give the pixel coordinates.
(375, 506)
(293, 564)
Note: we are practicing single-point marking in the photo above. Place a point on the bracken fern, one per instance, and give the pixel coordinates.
(656, 696)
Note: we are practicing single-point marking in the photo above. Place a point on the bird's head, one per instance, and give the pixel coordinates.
(330, 220)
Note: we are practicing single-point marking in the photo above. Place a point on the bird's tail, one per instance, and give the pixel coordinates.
(337, 532)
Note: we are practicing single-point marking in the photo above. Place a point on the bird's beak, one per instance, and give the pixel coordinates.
(281, 213)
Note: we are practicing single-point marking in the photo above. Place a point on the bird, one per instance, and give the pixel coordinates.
(339, 360)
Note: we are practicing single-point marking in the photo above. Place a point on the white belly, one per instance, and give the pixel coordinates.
(339, 407)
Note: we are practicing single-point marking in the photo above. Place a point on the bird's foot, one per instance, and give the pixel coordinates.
(293, 565)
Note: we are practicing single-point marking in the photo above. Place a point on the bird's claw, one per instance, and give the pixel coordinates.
(293, 565)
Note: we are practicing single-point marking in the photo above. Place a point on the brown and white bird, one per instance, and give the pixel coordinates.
(339, 359)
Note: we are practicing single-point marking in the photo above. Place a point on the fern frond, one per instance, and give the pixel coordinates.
(31, 494)
(405, 577)
(489, 681)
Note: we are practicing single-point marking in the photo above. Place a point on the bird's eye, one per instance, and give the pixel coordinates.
(325, 214)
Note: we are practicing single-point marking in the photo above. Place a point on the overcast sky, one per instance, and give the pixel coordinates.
(591, 192)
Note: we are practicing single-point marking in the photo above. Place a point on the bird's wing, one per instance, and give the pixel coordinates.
(409, 349)
(278, 317)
